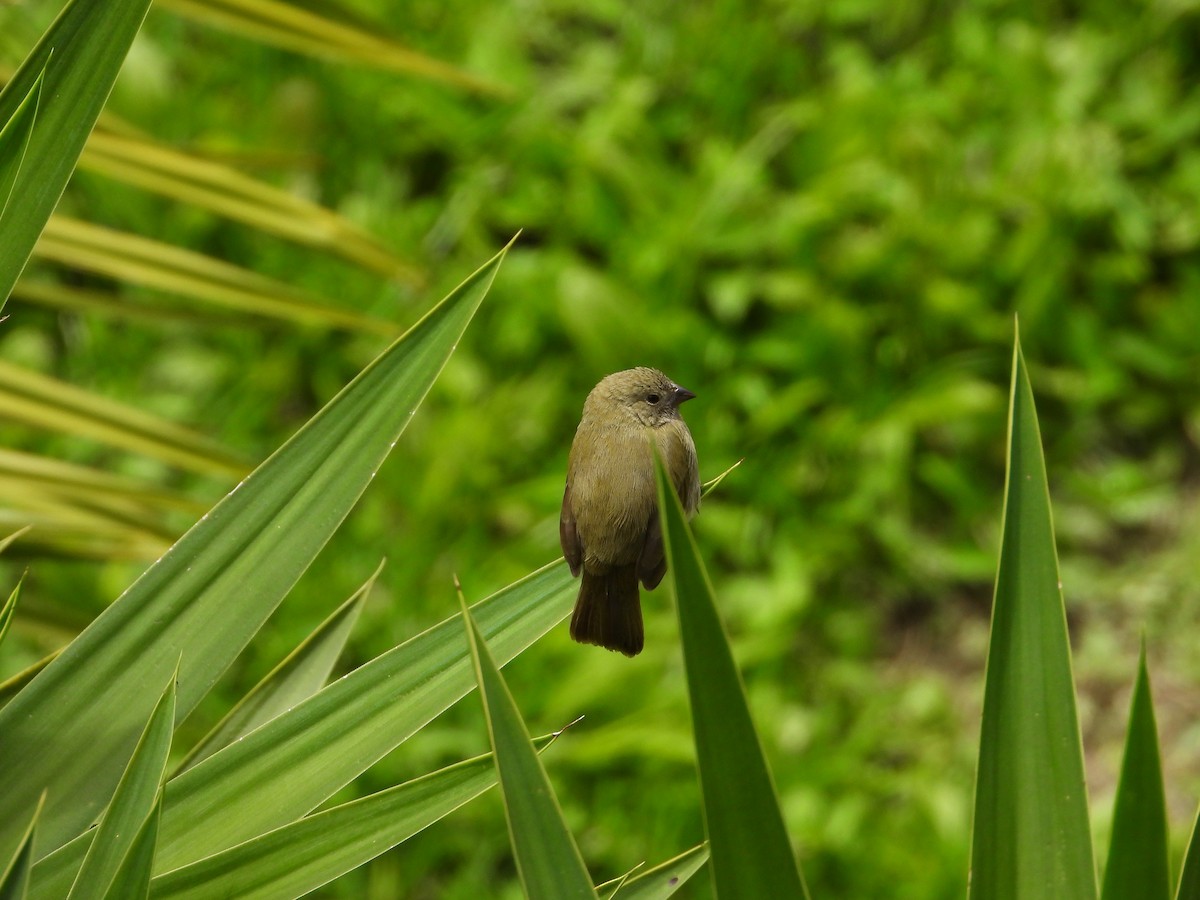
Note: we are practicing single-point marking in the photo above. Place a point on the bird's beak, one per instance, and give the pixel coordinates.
(682, 394)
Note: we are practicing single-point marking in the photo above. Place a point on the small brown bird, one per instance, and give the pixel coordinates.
(609, 528)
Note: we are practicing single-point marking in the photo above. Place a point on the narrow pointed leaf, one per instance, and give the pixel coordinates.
(14, 880)
(300, 857)
(281, 771)
(78, 59)
(46, 402)
(76, 506)
(294, 28)
(10, 607)
(213, 590)
(102, 517)
(151, 263)
(86, 536)
(43, 504)
(14, 883)
(7, 541)
(660, 882)
(547, 858)
(751, 853)
(1138, 864)
(296, 678)
(132, 881)
(1189, 878)
(287, 767)
(113, 304)
(713, 484)
(136, 796)
(1031, 835)
(97, 485)
(208, 184)
(14, 141)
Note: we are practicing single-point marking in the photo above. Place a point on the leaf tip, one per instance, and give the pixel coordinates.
(554, 734)
(713, 484)
(468, 622)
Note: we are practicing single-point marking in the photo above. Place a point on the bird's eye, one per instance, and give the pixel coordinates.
(652, 398)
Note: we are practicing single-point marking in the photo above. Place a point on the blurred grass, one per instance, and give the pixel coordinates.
(819, 218)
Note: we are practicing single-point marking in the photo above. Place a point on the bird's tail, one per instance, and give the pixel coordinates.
(608, 612)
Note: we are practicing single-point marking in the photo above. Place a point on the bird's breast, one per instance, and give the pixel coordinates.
(611, 474)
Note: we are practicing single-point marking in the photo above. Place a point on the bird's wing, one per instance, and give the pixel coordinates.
(685, 465)
(652, 561)
(571, 547)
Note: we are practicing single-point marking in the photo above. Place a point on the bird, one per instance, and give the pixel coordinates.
(609, 525)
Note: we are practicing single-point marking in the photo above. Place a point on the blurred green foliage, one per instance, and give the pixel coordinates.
(821, 218)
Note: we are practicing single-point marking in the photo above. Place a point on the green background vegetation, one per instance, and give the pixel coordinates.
(819, 217)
